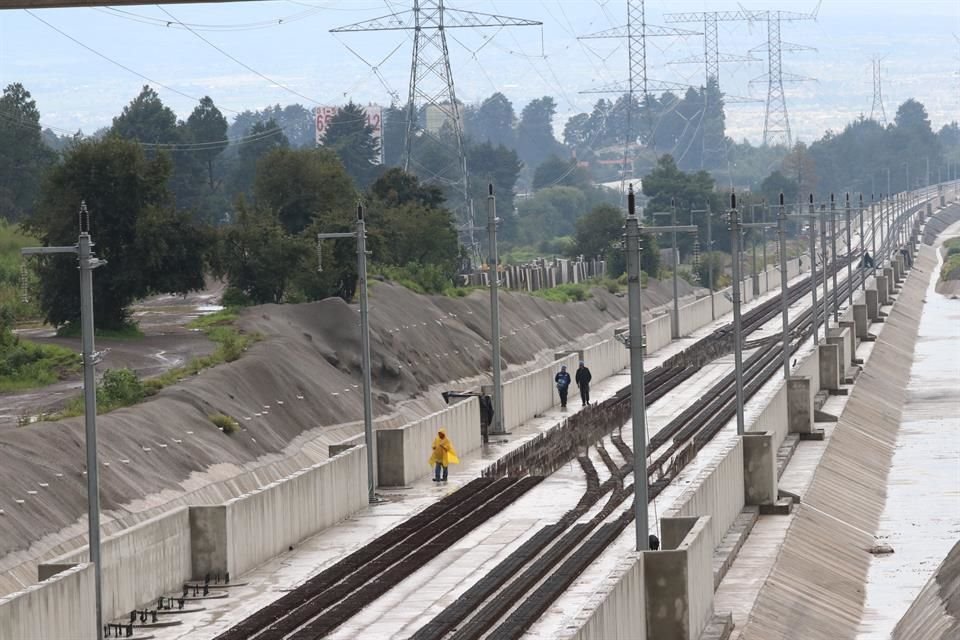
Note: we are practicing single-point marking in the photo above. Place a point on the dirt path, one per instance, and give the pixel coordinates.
(167, 344)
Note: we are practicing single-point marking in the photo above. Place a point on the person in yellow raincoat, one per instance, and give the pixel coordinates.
(443, 455)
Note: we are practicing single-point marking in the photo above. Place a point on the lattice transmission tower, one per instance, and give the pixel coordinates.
(636, 32)
(877, 108)
(776, 122)
(433, 113)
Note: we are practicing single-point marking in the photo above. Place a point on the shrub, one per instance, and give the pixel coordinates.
(119, 388)
(225, 423)
(421, 278)
(234, 297)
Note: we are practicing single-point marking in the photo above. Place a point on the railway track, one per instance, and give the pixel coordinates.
(505, 602)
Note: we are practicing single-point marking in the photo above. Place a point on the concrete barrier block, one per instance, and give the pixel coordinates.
(391, 461)
(208, 540)
(860, 321)
(872, 302)
(891, 283)
(838, 337)
(799, 404)
(759, 469)
(883, 291)
(829, 356)
(679, 586)
(674, 529)
(851, 337)
(60, 608)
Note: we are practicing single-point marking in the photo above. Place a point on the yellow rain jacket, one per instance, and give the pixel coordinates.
(443, 451)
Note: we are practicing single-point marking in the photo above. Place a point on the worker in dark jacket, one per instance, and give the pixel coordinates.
(563, 385)
(583, 378)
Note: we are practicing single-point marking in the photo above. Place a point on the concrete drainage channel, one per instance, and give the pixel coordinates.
(544, 566)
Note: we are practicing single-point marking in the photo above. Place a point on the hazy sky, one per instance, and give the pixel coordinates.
(75, 88)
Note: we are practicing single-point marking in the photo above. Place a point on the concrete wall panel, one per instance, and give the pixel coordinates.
(695, 315)
(403, 453)
(60, 608)
(717, 491)
(533, 393)
(141, 562)
(657, 332)
(266, 522)
(616, 611)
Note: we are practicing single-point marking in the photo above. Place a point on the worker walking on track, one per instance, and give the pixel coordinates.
(563, 385)
(583, 379)
(443, 455)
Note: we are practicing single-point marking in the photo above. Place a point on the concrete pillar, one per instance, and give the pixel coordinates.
(891, 283)
(860, 321)
(829, 361)
(897, 269)
(799, 404)
(872, 301)
(391, 463)
(839, 338)
(208, 540)
(883, 290)
(759, 468)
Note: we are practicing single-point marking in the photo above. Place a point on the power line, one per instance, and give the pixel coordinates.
(240, 62)
(248, 26)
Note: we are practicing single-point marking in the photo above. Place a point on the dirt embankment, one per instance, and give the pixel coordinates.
(303, 376)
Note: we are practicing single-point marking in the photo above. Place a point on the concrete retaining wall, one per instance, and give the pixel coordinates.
(717, 491)
(249, 530)
(616, 611)
(403, 453)
(679, 585)
(60, 608)
(606, 358)
(773, 416)
(695, 315)
(657, 333)
(139, 563)
(533, 393)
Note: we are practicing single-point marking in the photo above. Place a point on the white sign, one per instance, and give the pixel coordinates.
(374, 114)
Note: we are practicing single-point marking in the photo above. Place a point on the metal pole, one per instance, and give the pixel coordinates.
(784, 303)
(863, 248)
(823, 250)
(637, 400)
(849, 253)
(833, 245)
(713, 311)
(813, 266)
(494, 274)
(365, 350)
(763, 230)
(675, 320)
(87, 264)
(873, 234)
(755, 280)
(737, 338)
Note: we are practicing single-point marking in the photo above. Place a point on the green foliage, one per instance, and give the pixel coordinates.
(262, 138)
(351, 138)
(294, 121)
(303, 185)
(777, 183)
(207, 126)
(555, 171)
(126, 331)
(535, 141)
(150, 247)
(225, 423)
(119, 388)
(24, 365)
(23, 156)
(501, 167)
(549, 213)
(12, 239)
(493, 122)
(220, 318)
(572, 292)
(418, 277)
(234, 297)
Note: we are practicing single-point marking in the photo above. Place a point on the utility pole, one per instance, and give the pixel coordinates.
(833, 244)
(360, 235)
(432, 90)
(873, 234)
(709, 222)
(823, 250)
(863, 248)
(497, 427)
(780, 225)
(674, 258)
(637, 399)
(734, 221)
(813, 266)
(849, 253)
(84, 252)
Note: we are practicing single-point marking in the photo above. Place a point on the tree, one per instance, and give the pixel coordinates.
(498, 165)
(666, 186)
(535, 141)
(577, 132)
(556, 171)
(397, 187)
(261, 139)
(206, 126)
(23, 156)
(494, 121)
(598, 230)
(777, 183)
(297, 123)
(150, 248)
(549, 213)
(351, 138)
(301, 184)
(147, 120)
(800, 167)
(394, 136)
(259, 257)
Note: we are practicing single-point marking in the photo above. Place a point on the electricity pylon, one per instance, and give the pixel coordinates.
(877, 107)
(636, 33)
(776, 122)
(432, 93)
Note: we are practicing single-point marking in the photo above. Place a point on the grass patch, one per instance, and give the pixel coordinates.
(218, 319)
(565, 293)
(129, 331)
(225, 423)
(12, 239)
(27, 365)
(951, 268)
